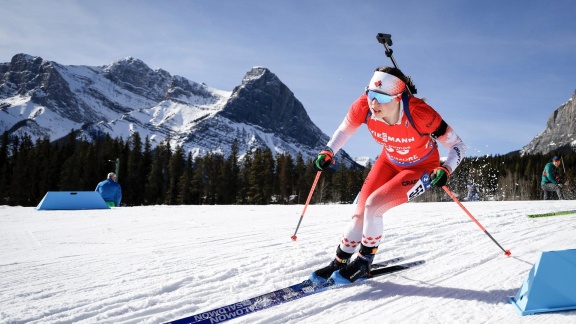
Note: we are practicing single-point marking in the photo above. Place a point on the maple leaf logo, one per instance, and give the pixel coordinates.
(378, 83)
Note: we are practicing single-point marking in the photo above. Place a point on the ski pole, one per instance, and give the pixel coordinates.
(451, 194)
(294, 237)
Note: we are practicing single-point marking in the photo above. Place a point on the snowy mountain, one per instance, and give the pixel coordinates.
(44, 98)
(560, 132)
(364, 160)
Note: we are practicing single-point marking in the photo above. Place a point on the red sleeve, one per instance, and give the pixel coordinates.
(358, 111)
(426, 119)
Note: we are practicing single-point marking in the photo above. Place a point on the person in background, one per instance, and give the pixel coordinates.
(110, 190)
(473, 194)
(408, 130)
(551, 179)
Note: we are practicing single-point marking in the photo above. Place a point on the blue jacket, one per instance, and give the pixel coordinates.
(110, 191)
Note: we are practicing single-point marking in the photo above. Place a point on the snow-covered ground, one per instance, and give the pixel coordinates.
(159, 263)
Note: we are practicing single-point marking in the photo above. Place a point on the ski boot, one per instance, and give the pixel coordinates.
(321, 275)
(357, 269)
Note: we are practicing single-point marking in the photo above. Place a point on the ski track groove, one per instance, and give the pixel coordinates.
(461, 262)
(45, 285)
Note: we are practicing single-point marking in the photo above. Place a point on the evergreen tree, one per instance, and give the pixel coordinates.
(142, 170)
(157, 178)
(154, 176)
(284, 171)
(21, 190)
(47, 171)
(230, 173)
(176, 167)
(299, 178)
(133, 179)
(261, 178)
(213, 163)
(185, 183)
(269, 179)
(197, 186)
(5, 171)
(69, 174)
(88, 166)
(244, 179)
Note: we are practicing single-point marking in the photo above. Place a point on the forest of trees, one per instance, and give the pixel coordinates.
(166, 175)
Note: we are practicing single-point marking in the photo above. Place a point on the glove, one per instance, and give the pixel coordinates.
(324, 159)
(439, 177)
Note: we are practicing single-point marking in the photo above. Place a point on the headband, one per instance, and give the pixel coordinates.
(386, 83)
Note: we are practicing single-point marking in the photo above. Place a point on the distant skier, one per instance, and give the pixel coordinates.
(473, 194)
(409, 156)
(551, 182)
(110, 190)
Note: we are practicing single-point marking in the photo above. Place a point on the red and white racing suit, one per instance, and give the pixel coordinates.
(407, 154)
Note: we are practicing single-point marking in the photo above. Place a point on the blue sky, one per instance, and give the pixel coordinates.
(495, 70)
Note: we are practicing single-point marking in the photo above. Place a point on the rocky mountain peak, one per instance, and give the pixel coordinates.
(255, 73)
(263, 100)
(560, 132)
(135, 76)
(25, 73)
(47, 99)
(41, 81)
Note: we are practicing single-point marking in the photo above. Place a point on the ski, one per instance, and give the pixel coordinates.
(280, 296)
(558, 213)
(386, 263)
(394, 268)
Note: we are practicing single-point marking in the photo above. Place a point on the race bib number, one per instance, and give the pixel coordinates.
(419, 187)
